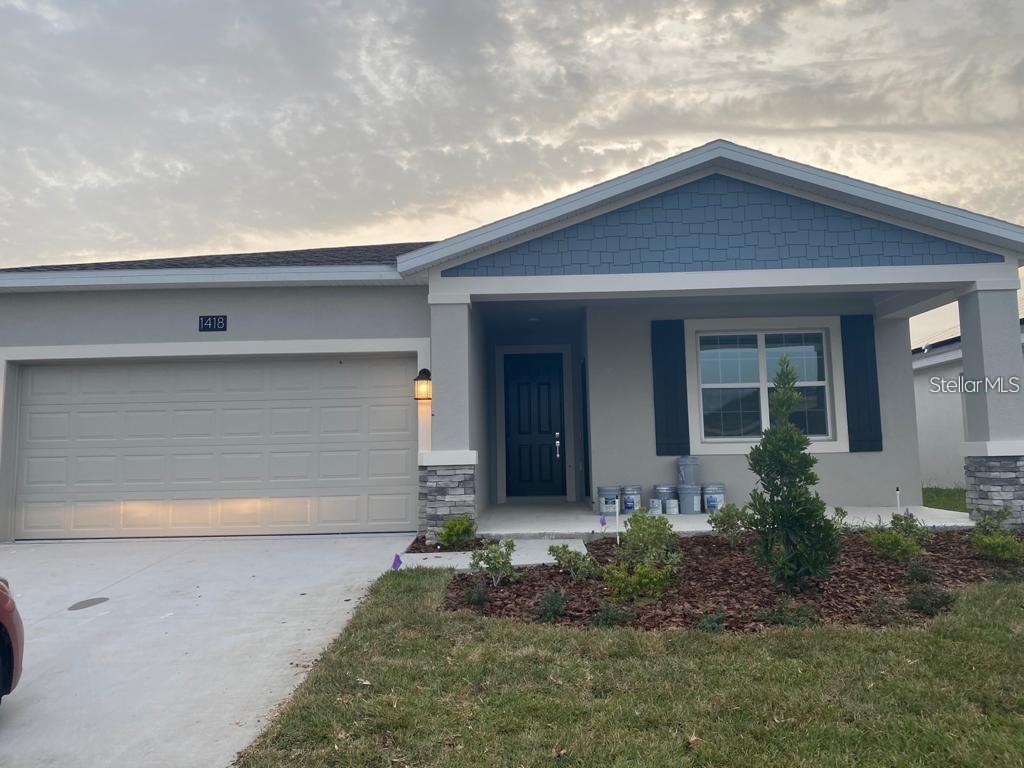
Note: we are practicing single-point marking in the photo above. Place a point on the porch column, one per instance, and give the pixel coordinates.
(448, 471)
(993, 401)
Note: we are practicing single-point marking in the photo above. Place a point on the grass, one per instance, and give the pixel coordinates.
(946, 498)
(408, 685)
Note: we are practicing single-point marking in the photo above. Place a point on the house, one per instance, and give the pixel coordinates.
(590, 340)
(940, 414)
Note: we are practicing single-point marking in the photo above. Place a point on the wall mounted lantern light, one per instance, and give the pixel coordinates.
(422, 386)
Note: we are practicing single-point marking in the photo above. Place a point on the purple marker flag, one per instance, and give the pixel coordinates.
(396, 563)
(906, 512)
(602, 520)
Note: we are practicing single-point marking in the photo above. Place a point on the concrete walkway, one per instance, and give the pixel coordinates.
(198, 642)
(532, 551)
(525, 521)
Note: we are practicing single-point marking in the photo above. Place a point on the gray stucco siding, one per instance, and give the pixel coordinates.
(134, 316)
(720, 223)
(623, 445)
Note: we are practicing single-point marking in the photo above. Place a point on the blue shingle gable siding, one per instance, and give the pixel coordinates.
(719, 223)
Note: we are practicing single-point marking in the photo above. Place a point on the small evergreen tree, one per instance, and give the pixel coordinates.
(795, 538)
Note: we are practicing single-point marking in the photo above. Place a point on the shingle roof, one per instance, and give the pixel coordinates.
(350, 255)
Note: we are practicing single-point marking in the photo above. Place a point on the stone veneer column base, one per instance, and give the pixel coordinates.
(994, 483)
(446, 491)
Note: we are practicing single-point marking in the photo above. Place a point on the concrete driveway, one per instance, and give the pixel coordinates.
(185, 662)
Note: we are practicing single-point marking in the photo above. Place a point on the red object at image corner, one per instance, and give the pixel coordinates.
(12, 641)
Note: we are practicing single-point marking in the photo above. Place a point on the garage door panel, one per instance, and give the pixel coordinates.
(144, 469)
(139, 515)
(341, 465)
(247, 467)
(43, 517)
(102, 425)
(217, 447)
(193, 514)
(102, 516)
(395, 420)
(96, 471)
(47, 428)
(389, 508)
(148, 424)
(342, 510)
(45, 472)
(294, 421)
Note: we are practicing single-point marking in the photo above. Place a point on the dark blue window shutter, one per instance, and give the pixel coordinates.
(668, 365)
(860, 366)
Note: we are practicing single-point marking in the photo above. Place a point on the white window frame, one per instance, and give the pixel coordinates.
(837, 441)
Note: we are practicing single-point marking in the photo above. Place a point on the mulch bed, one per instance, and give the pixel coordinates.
(715, 577)
(419, 545)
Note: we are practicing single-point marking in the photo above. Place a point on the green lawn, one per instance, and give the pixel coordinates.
(408, 685)
(946, 498)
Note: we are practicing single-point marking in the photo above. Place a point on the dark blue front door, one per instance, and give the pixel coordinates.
(534, 425)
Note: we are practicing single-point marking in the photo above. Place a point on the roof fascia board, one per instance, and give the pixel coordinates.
(840, 191)
(220, 277)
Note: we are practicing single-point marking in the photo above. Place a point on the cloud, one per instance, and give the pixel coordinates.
(131, 129)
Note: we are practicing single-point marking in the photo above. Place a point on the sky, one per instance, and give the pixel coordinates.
(139, 129)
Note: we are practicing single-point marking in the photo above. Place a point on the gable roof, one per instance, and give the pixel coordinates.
(344, 256)
(731, 159)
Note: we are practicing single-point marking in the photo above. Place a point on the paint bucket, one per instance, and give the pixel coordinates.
(689, 499)
(632, 498)
(714, 497)
(689, 470)
(664, 500)
(608, 499)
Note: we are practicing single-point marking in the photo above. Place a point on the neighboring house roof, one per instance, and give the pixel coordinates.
(351, 255)
(722, 156)
(943, 351)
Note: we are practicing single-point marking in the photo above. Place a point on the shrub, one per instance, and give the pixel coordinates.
(551, 606)
(794, 537)
(457, 532)
(892, 545)
(610, 615)
(987, 523)
(477, 595)
(785, 614)
(1012, 573)
(649, 539)
(712, 622)
(1001, 547)
(495, 561)
(918, 571)
(729, 521)
(579, 565)
(930, 600)
(643, 582)
(910, 526)
(883, 612)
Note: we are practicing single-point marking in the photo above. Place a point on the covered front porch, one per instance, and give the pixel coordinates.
(556, 396)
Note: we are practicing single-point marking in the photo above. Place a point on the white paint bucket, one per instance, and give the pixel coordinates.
(660, 499)
(689, 500)
(608, 499)
(689, 470)
(632, 498)
(714, 497)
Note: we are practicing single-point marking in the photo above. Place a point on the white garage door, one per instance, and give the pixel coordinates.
(261, 445)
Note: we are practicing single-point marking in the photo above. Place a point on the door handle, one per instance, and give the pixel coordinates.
(558, 445)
